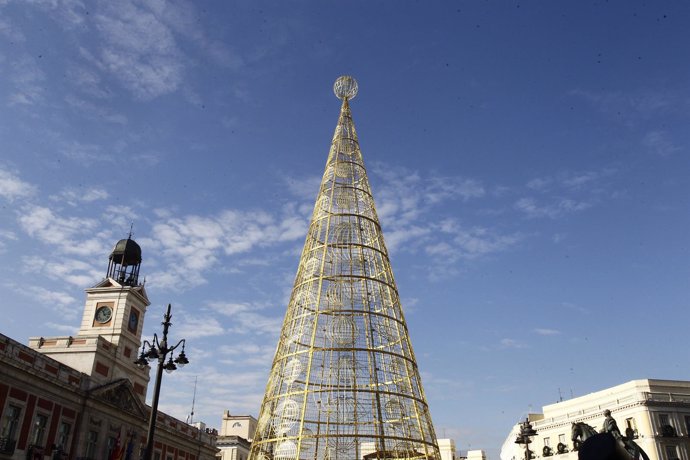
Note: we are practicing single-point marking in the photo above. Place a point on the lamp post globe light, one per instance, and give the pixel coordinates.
(158, 350)
(526, 432)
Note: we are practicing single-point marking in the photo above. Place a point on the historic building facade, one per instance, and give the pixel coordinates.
(81, 397)
(235, 437)
(654, 414)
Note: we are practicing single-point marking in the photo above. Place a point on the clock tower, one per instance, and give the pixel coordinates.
(110, 333)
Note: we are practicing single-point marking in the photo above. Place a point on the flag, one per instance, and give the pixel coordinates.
(129, 454)
(118, 451)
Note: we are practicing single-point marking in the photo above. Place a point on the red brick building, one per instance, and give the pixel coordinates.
(81, 397)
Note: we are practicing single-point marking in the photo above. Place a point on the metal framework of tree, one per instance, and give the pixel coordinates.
(344, 384)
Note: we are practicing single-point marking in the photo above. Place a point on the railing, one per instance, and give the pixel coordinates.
(668, 397)
(7, 445)
(35, 452)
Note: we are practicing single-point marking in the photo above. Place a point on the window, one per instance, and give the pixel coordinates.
(112, 442)
(10, 422)
(561, 438)
(630, 428)
(39, 429)
(546, 450)
(8, 435)
(687, 425)
(91, 441)
(63, 435)
(671, 452)
(666, 429)
(236, 424)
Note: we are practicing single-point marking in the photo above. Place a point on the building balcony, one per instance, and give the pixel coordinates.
(7, 445)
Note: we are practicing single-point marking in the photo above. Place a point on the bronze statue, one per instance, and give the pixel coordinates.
(610, 426)
(580, 431)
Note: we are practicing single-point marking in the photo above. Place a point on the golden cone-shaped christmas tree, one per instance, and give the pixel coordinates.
(344, 383)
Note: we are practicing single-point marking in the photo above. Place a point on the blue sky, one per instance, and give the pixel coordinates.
(529, 163)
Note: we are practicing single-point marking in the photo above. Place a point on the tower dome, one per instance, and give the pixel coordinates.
(124, 262)
(127, 251)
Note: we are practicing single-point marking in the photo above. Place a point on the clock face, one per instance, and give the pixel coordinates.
(133, 321)
(103, 314)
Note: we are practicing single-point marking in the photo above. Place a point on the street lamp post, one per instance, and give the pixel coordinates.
(158, 350)
(526, 432)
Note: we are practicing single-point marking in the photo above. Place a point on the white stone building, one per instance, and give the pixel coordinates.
(236, 434)
(476, 454)
(447, 448)
(655, 412)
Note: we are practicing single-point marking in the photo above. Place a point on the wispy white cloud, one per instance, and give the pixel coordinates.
(7, 234)
(138, 49)
(80, 152)
(8, 30)
(144, 47)
(229, 122)
(194, 327)
(574, 307)
(73, 196)
(247, 353)
(410, 236)
(201, 240)
(557, 208)
(89, 81)
(558, 237)
(12, 187)
(407, 200)
(545, 331)
(64, 328)
(242, 348)
(72, 271)
(183, 19)
(67, 235)
(394, 199)
(223, 55)
(4, 236)
(628, 107)
(570, 180)
(150, 158)
(246, 319)
(539, 183)
(512, 343)
(660, 143)
(120, 217)
(580, 180)
(565, 193)
(442, 188)
(95, 110)
(61, 301)
(305, 188)
(28, 80)
(476, 241)
(69, 13)
(242, 390)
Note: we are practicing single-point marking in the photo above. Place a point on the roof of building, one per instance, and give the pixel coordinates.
(126, 252)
